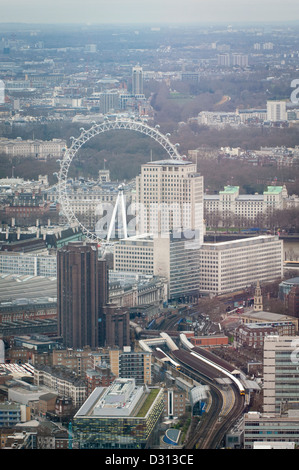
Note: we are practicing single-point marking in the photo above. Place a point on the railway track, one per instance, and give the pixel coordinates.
(226, 424)
(203, 433)
(212, 427)
(205, 367)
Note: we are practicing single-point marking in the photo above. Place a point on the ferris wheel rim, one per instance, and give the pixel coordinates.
(87, 134)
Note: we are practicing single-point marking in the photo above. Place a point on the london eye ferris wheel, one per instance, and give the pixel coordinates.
(85, 135)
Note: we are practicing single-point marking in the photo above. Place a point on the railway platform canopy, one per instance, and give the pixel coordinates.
(199, 397)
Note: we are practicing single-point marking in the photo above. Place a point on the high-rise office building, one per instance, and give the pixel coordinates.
(241, 60)
(224, 60)
(170, 198)
(137, 80)
(174, 258)
(276, 111)
(82, 287)
(169, 226)
(233, 265)
(281, 374)
(264, 431)
(109, 101)
(278, 425)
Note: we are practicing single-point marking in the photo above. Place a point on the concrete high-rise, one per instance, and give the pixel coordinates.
(137, 80)
(281, 375)
(109, 101)
(170, 198)
(175, 259)
(82, 291)
(276, 111)
(236, 264)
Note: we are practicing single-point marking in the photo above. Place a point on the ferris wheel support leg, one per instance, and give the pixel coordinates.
(123, 213)
(77, 143)
(112, 221)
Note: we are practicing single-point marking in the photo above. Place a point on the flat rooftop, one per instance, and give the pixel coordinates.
(122, 399)
(14, 287)
(267, 316)
(170, 162)
(240, 242)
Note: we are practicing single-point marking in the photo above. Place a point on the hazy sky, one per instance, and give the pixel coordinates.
(147, 11)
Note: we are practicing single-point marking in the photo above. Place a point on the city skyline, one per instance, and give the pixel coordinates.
(176, 11)
(149, 236)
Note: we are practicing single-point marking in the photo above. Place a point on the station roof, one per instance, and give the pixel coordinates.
(13, 288)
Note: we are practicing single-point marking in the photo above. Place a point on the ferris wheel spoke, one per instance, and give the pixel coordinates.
(86, 135)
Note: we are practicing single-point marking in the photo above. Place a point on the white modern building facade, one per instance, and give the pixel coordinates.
(264, 431)
(28, 264)
(234, 265)
(173, 258)
(209, 269)
(276, 111)
(169, 197)
(137, 80)
(281, 372)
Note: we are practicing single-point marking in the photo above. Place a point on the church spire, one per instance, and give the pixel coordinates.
(258, 298)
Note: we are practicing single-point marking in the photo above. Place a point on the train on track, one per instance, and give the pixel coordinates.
(189, 346)
(169, 359)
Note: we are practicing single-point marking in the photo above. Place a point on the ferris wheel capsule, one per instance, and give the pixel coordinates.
(108, 125)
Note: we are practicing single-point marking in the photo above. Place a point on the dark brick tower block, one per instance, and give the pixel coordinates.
(81, 292)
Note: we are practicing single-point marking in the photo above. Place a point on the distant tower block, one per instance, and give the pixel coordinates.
(137, 80)
(258, 298)
(81, 293)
